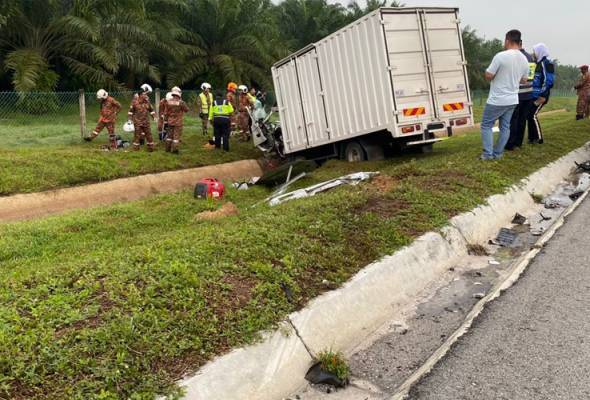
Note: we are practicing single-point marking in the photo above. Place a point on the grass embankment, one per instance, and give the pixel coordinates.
(118, 302)
(555, 103)
(36, 169)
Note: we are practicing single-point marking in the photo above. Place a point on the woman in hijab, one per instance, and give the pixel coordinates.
(542, 84)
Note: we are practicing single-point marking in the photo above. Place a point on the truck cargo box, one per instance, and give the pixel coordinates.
(399, 72)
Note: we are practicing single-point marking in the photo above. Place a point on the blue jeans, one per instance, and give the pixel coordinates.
(491, 114)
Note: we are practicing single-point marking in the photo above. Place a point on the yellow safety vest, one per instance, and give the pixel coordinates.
(251, 98)
(532, 68)
(205, 101)
(225, 109)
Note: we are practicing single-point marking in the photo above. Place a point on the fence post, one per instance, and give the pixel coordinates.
(82, 101)
(158, 103)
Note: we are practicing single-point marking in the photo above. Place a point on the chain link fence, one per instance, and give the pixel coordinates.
(35, 119)
(62, 118)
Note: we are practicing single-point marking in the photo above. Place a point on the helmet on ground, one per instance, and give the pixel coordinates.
(243, 88)
(102, 94)
(205, 86)
(146, 88)
(169, 96)
(128, 126)
(232, 87)
(176, 91)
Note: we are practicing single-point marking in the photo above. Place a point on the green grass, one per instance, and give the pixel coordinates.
(35, 169)
(555, 103)
(118, 302)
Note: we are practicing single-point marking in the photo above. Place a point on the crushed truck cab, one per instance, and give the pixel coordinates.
(395, 77)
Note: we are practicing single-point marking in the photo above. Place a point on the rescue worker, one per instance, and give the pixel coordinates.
(244, 116)
(231, 98)
(253, 100)
(109, 107)
(175, 110)
(203, 103)
(140, 112)
(162, 124)
(583, 89)
(542, 84)
(220, 114)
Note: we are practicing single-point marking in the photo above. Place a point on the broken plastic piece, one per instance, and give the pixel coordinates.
(317, 375)
(583, 167)
(518, 219)
(506, 237)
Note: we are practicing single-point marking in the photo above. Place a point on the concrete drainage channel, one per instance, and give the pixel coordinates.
(375, 307)
(35, 205)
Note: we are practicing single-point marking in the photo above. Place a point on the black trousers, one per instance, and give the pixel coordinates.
(535, 130)
(523, 113)
(221, 131)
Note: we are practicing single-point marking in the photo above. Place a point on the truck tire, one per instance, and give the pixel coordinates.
(354, 152)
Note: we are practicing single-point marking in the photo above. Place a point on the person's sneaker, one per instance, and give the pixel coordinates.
(540, 141)
(485, 158)
(533, 141)
(88, 139)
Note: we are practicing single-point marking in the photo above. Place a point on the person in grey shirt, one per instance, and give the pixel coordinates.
(507, 71)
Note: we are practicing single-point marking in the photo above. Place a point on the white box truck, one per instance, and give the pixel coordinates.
(396, 77)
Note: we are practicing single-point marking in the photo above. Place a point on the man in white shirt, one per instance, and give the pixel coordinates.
(507, 71)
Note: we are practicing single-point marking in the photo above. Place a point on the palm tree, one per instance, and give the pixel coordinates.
(228, 40)
(97, 41)
(356, 11)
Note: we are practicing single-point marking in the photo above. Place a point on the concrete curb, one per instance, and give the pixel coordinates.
(343, 318)
(33, 205)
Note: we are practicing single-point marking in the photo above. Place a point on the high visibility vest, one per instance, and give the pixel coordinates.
(224, 109)
(206, 99)
(252, 98)
(532, 68)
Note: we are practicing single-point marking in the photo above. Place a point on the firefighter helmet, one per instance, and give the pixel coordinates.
(102, 94)
(231, 87)
(205, 86)
(146, 88)
(169, 96)
(243, 89)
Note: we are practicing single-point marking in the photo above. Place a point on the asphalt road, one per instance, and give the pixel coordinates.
(533, 342)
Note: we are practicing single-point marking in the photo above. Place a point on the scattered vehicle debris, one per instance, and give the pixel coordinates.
(506, 237)
(544, 218)
(280, 174)
(583, 183)
(583, 167)
(518, 219)
(479, 295)
(352, 179)
(494, 262)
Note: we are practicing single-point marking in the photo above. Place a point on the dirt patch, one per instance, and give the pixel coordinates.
(383, 206)
(225, 210)
(383, 183)
(451, 180)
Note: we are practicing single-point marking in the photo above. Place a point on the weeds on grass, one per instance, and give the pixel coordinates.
(335, 363)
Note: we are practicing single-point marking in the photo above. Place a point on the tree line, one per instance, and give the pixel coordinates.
(48, 45)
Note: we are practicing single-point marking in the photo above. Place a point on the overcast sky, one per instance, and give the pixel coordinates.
(564, 25)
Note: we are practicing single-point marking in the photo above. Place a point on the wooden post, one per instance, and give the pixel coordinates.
(82, 101)
(158, 103)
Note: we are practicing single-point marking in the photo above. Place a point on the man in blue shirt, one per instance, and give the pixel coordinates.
(507, 71)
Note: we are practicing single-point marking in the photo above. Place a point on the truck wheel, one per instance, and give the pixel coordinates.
(354, 152)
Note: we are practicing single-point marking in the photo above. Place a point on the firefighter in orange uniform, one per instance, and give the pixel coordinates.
(175, 110)
(140, 112)
(109, 107)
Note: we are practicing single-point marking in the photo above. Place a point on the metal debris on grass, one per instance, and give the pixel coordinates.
(352, 179)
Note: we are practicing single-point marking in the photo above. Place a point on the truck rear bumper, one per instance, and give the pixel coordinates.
(422, 142)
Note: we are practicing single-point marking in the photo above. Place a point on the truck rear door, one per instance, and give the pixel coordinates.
(408, 65)
(444, 49)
